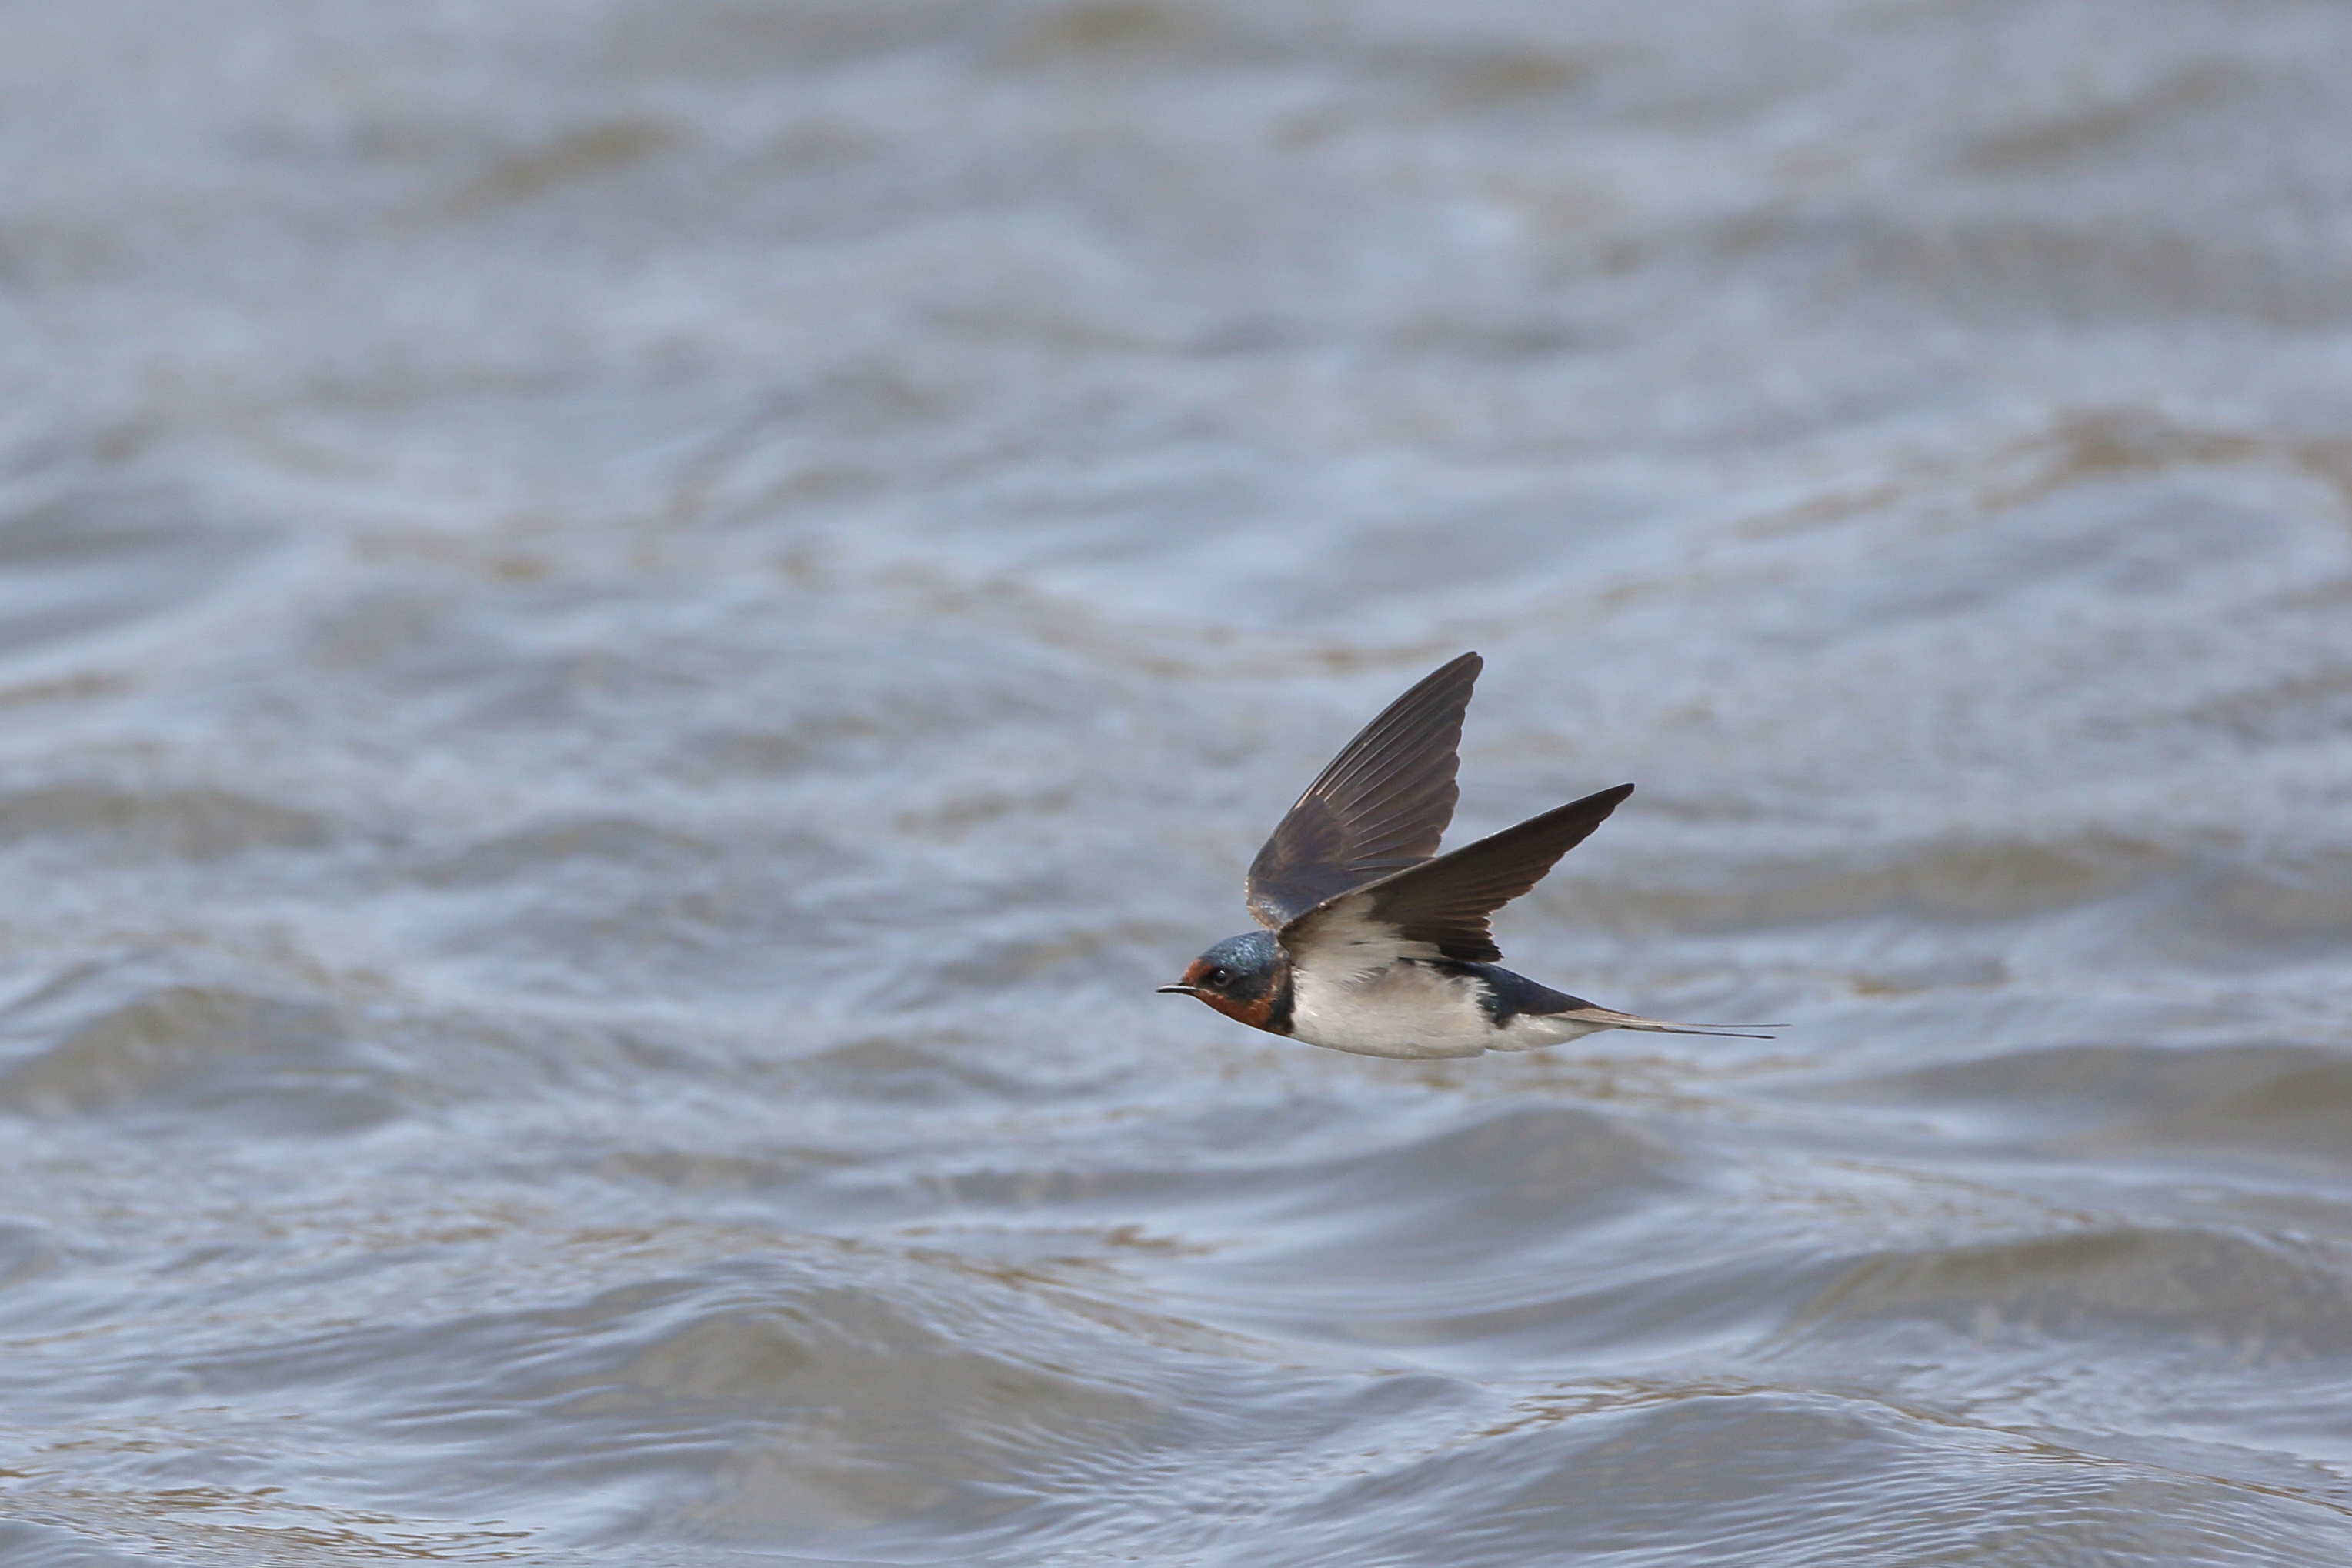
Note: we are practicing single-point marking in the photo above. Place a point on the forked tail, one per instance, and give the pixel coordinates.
(1609, 1018)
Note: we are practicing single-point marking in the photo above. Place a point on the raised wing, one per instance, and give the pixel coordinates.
(1381, 806)
(1439, 908)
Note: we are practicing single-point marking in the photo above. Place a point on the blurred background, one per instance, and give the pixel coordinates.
(630, 630)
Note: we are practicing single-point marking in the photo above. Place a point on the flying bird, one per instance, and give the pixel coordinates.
(1375, 943)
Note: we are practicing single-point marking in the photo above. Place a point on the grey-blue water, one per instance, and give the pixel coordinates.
(631, 630)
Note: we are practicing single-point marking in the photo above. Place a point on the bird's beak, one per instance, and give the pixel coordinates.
(1179, 990)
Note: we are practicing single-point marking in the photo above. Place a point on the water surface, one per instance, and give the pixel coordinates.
(630, 633)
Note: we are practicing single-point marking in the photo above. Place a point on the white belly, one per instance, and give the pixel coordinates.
(1407, 1009)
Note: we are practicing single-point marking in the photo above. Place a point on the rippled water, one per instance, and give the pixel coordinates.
(630, 630)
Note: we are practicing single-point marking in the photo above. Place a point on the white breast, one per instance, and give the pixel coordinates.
(1400, 1009)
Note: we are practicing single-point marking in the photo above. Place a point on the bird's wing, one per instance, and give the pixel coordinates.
(1381, 806)
(1439, 908)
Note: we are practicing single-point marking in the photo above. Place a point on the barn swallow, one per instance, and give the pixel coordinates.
(1375, 943)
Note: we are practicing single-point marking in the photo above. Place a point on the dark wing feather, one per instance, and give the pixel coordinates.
(1382, 806)
(1444, 903)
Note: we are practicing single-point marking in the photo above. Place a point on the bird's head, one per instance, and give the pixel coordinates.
(1242, 977)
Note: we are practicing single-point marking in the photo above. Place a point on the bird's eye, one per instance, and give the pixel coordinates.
(1219, 975)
